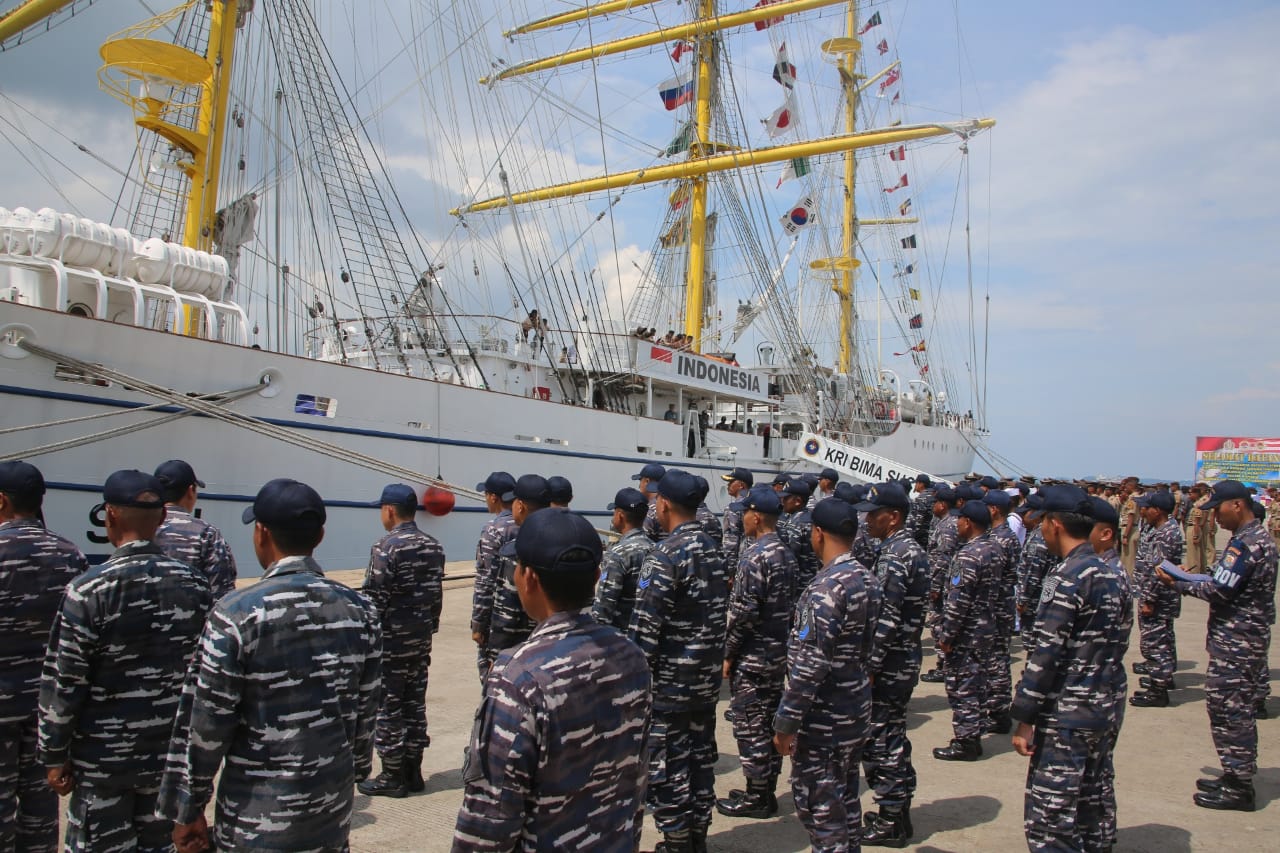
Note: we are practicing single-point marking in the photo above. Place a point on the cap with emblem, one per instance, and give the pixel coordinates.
(977, 512)
(998, 498)
(798, 487)
(743, 475)
(556, 540)
(1226, 490)
(760, 500)
(884, 496)
(830, 474)
(1103, 512)
(652, 471)
(532, 488)
(1158, 499)
(560, 489)
(177, 476)
(836, 516)
(21, 478)
(399, 495)
(286, 504)
(681, 487)
(498, 483)
(629, 499)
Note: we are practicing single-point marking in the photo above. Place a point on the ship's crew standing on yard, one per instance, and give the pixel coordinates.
(192, 540)
(113, 674)
(35, 567)
(405, 584)
(280, 699)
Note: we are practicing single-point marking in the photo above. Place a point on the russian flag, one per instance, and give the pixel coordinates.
(676, 91)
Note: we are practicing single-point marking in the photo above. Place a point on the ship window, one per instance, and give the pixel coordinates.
(309, 404)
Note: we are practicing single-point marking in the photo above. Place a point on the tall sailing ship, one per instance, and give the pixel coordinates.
(713, 272)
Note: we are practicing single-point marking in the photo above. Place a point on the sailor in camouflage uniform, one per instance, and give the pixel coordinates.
(557, 755)
(795, 528)
(509, 625)
(679, 624)
(825, 714)
(739, 482)
(35, 567)
(192, 540)
(1241, 591)
(1036, 563)
(405, 584)
(499, 492)
(755, 651)
(866, 548)
(1105, 541)
(966, 632)
(920, 518)
(1071, 695)
(620, 566)
(647, 481)
(1158, 605)
(902, 571)
(280, 699)
(113, 673)
(999, 662)
(944, 541)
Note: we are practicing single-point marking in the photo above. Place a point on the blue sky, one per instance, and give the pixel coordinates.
(1129, 250)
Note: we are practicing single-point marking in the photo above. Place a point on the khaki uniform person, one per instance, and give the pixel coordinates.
(1128, 531)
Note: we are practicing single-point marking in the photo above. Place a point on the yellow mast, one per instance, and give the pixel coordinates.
(849, 234)
(695, 272)
(202, 202)
(28, 14)
(577, 15)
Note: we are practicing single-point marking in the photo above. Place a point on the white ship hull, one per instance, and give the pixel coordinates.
(456, 433)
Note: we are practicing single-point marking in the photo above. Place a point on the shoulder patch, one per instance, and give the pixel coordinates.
(805, 625)
(646, 575)
(1049, 587)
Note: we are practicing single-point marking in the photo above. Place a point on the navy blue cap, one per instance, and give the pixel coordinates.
(761, 500)
(1227, 490)
(835, 516)
(999, 499)
(969, 493)
(1159, 499)
(946, 494)
(1103, 512)
(830, 474)
(498, 483)
(532, 488)
(556, 540)
(286, 504)
(1064, 498)
(21, 478)
(860, 491)
(629, 499)
(683, 488)
(1031, 505)
(797, 486)
(652, 471)
(811, 478)
(1259, 511)
(560, 488)
(741, 474)
(133, 488)
(989, 482)
(847, 492)
(976, 511)
(177, 475)
(884, 496)
(781, 479)
(924, 478)
(398, 494)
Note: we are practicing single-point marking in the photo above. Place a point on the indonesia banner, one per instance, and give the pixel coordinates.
(1253, 461)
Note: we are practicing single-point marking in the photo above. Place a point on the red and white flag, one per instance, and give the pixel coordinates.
(681, 48)
(883, 46)
(902, 182)
(898, 154)
(783, 118)
(892, 77)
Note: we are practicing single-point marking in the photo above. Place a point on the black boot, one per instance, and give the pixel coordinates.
(1142, 668)
(1147, 684)
(1233, 794)
(1260, 710)
(1213, 783)
(890, 828)
(961, 749)
(675, 842)
(698, 840)
(933, 676)
(388, 783)
(413, 781)
(1151, 698)
(755, 802)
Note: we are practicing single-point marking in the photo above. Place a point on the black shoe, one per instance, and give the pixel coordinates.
(1214, 783)
(1260, 711)
(933, 676)
(756, 802)
(413, 781)
(889, 828)
(961, 749)
(728, 715)
(1142, 668)
(1152, 698)
(1147, 684)
(388, 783)
(1234, 795)
(1001, 725)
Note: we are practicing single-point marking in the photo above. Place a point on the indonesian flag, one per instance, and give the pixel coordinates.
(802, 215)
(898, 154)
(902, 182)
(873, 21)
(767, 22)
(783, 71)
(783, 118)
(894, 75)
(883, 46)
(681, 48)
(676, 91)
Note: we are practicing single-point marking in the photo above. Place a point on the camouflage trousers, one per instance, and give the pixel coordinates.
(1264, 680)
(1231, 692)
(965, 675)
(104, 818)
(682, 760)
(1159, 646)
(999, 664)
(754, 701)
(402, 712)
(824, 784)
(1064, 807)
(28, 806)
(886, 759)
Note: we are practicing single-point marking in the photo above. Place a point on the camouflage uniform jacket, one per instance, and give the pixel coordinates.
(287, 710)
(710, 525)
(500, 530)
(619, 568)
(828, 687)
(796, 532)
(1241, 591)
(866, 548)
(920, 517)
(679, 619)
(902, 571)
(1037, 561)
(557, 757)
(944, 541)
(1075, 674)
(652, 528)
(760, 607)
(405, 583)
(1006, 590)
(731, 536)
(1157, 544)
(967, 618)
(200, 545)
(117, 654)
(35, 567)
